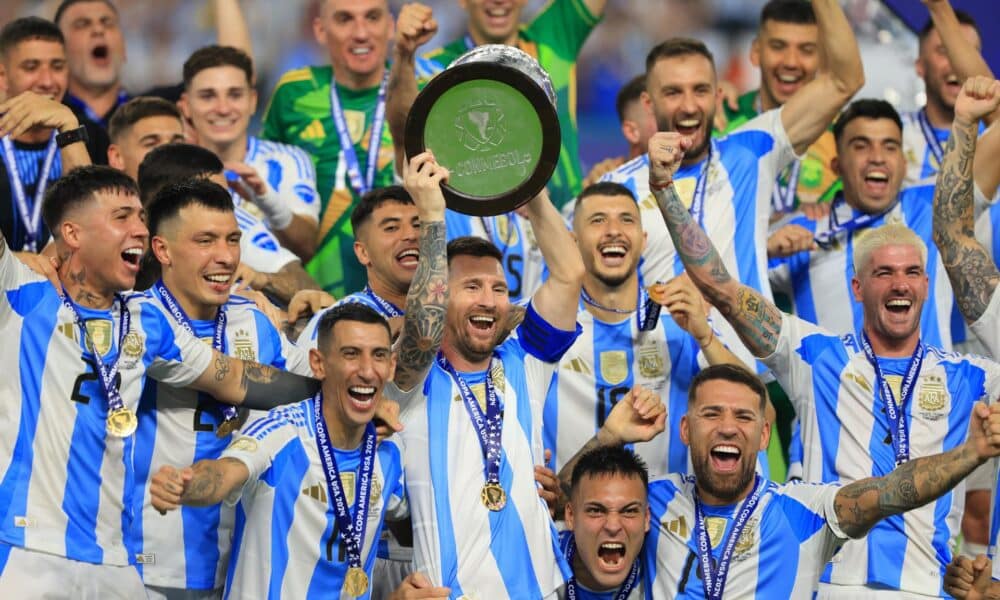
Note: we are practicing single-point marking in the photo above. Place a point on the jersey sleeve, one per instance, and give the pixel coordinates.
(564, 26)
(296, 359)
(810, 512)
(298, 186)
(543, 341)
(987, 327)
(788, 363)
(262, 440)
(396, 506)
(178, 358)
(273, 127)
(766, 137)
(259, 249)
(13, 274)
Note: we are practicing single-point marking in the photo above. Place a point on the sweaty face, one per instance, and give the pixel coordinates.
(871, 164)
(219, 103)
(495, 21)
(892, 288)
(38, 66)
(477, 306)
(609, 517)
(941, 83)
(610, 237)
(112, 237)
(788, 57)
(388, 244)
(356, 35)
(682, 91)
(94, 43)
(203, 250)
(137, 142)
(354, 367)
(725, 428)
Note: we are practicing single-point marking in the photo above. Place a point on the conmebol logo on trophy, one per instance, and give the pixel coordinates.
(490, 118)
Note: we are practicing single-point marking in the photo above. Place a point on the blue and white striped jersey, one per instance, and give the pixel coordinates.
(259, 248)
(286, 543)
(309, 334)
(290, 173)
(921, 165)
(189, 548)
(792, 532)
(522, 262)
(845, 437)
(458, 543)
(66, 487)
(737, 205)
(29, 159)
(582, 593)
(601, 367)
(818, 282)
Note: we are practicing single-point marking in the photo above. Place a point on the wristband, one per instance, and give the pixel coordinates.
(71, 137)
(659, 188)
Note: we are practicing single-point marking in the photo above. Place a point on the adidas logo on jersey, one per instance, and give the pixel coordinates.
(678, 526)
(314, 131)
(576, 365)
(316, 492)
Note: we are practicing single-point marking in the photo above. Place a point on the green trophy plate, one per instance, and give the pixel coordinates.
(493, 126)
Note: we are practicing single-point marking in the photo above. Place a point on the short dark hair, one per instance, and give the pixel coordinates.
(376, 198)
(477, 247)
(963, 17)
(28, 28)
(171, 199)
(629, 93)
(798, 12)
(731, 373)
(676, 47)
(174, 162)
(68, 3)
(213, 56)
(78, 187)
(609, 460)
(868, 108)
(137, 109)
(346, 311)
(603, 188)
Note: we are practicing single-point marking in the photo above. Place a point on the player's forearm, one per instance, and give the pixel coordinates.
(716, 352)
(862, 504)
(426, 301)
(213, 481)
(840, 49)
(231, 26)
(290, 279)
(401, 92)
(971, 271)
(251, 384)
(299, 237)
(555, 241)
(963, 56)
(757, 321)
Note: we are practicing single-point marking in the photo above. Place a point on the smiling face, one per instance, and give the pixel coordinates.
(94, 43)
(788, 57)
(36, 65)
(108, 236)
(493, 21)
(356, 35)
(892, 287)
(609, 235)
(609, 517)
(219, 103)
(477, 305)
(870, 162)
(144, 135)
(388, 244)
(725, 428)
(941, 83)
(682, 94)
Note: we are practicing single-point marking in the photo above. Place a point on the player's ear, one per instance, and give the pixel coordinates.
(362, 254)
(569, 516)
(316, 363)
(685, 431)
(160, 249)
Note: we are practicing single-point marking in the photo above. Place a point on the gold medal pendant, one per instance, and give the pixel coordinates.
(226, 427)
(122, 422)
(493, 496)
(355, 582)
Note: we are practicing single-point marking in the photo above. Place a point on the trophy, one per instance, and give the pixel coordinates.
(490, 119)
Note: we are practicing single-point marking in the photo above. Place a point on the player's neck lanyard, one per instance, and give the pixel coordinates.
(826, 238)
(647, 312)
(623, 592)
(513, 230)
(489, 427)
(352, 532)
(229, 412)
(347, 144)
(928, 130)
(698, 200)
(783, 197)
(896, 411)
(32, 220)
(89, 112)
(108, 372)
(715, 580)
(388, 309)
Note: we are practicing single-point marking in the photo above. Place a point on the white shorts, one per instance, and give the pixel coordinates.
(29, 574)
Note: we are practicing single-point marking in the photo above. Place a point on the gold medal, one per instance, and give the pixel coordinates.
(493, 496)
(226, 427)
(122, 422)
(355, 582)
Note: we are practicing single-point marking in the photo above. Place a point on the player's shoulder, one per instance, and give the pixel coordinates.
(296, 78)
(298, 416)
(628, 170)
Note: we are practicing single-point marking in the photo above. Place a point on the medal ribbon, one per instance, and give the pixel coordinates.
(351, 532)
(107, 371)
(347, 144)
(388, 309)
(783, 197)
(32, 221)
(229, 412)
(715, 582)
(489, 427)
(825, 239)
(895, 411)
(647, 312)
(623, 591)
(932, 142)
(698, 200)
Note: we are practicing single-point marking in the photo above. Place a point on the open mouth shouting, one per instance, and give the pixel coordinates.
(362, 397)
(688, 127)
(611, 556)
(483, 325)
(132, 257)
(876, 181)
(788, 83)
(613, 254)
(408, 258)
(725, 458)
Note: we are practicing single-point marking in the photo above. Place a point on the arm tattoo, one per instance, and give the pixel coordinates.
(221, 366)
(426, 300)
(206, 486)
(860, 505)
(265, 387)
(973, 275)
(757, 321)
